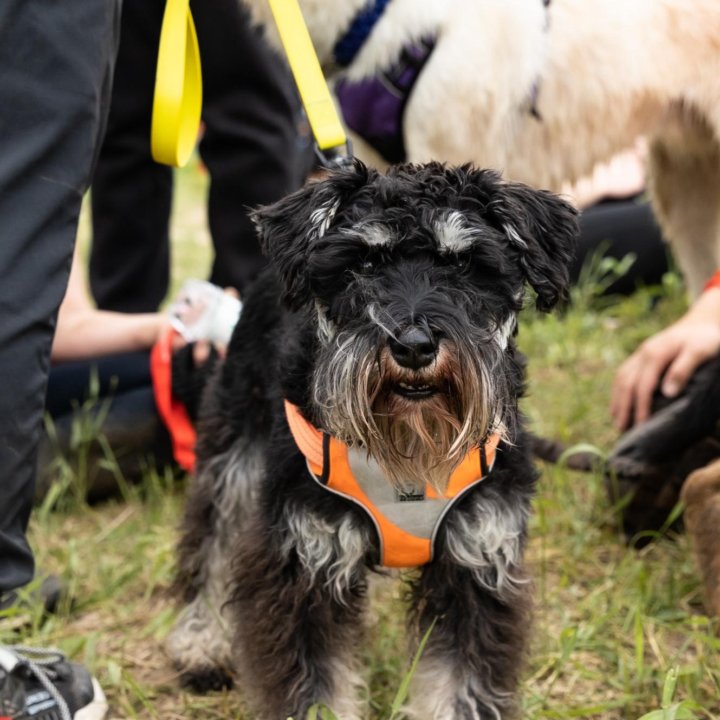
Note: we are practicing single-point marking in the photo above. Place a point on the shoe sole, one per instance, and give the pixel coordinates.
(98, 707)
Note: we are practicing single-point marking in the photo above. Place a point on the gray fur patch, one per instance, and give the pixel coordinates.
(452, 233)
(441, 690)
(333, 551)
(489, 536)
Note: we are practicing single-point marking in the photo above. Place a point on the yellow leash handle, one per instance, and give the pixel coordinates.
(178, 88)
(318, 103)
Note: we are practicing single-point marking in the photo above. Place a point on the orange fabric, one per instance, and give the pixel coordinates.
(466, 472)
(171, 411)
(399, 548)
(307, 437)
(714, 281)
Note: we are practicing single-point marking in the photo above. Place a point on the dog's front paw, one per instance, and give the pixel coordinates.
(199, 648)
(205, 679)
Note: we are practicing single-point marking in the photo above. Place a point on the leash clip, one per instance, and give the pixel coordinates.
(339, 157)
(332, 146)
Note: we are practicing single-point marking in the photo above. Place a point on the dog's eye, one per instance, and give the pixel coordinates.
(460, 262)
(367, 266)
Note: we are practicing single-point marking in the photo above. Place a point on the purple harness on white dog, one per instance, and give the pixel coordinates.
(373, 107)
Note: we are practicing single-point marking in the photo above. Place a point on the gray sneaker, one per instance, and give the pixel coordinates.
(41, 684)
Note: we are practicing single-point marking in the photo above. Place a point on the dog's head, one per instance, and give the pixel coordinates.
(412, 282)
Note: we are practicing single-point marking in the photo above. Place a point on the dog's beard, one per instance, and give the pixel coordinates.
(415, 441)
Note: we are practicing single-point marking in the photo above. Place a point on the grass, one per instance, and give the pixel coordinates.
(618, 633)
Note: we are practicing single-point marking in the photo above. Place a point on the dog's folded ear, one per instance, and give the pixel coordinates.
(288, 228)
(543, 229)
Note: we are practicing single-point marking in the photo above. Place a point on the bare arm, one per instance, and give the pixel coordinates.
(85, 332)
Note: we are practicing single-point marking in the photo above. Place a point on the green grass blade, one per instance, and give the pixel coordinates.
(402, 692)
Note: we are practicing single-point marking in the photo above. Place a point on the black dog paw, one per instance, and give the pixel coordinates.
(204, 680)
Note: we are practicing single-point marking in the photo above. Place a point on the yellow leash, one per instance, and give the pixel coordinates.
(327, 129)
(178, 86)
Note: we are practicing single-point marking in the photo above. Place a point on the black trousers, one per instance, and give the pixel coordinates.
(122, 404)
(618, 228)
(113, 376)
(250, 147)
(55, 78)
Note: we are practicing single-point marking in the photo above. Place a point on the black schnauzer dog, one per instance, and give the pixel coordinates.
(366, 416)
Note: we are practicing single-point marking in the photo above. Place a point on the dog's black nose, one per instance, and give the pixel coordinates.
(414, 348)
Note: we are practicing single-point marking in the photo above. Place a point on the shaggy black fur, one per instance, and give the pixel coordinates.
(357, 262)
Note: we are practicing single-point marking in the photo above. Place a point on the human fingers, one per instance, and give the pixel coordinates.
(638, 378)
(622, 393)
(201, 352)
(177, 341)
(646, 383)
(682, 368)
(654, 356)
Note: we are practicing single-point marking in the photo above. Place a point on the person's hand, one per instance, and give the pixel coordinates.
(673, 355)
(205, 316)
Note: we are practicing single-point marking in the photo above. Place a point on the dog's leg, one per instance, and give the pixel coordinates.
(471, 665)
(684, 181)
(477, 595)
(199, 644)
(298, 602)
(701, 495)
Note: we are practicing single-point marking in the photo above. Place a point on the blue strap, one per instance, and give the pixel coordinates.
(348, 46)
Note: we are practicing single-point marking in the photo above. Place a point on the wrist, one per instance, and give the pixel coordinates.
(149, 329)
(713, 282)
(707, 306)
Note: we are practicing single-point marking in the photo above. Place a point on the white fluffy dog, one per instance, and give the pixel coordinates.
(545, 93)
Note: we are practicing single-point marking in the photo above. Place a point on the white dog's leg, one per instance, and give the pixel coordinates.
(685, 185)
(464, 104)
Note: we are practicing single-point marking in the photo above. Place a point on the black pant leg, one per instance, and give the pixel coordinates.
(55, 77)
(621, 227)
(131, 194)
(69, 382)
(250, 145)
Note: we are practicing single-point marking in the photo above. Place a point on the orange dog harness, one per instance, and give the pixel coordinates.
(406, 525)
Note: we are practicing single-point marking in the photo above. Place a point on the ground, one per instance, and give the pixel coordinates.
(610, 621)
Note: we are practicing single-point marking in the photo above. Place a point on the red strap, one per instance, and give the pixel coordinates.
(714, 281)
(171, 410)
